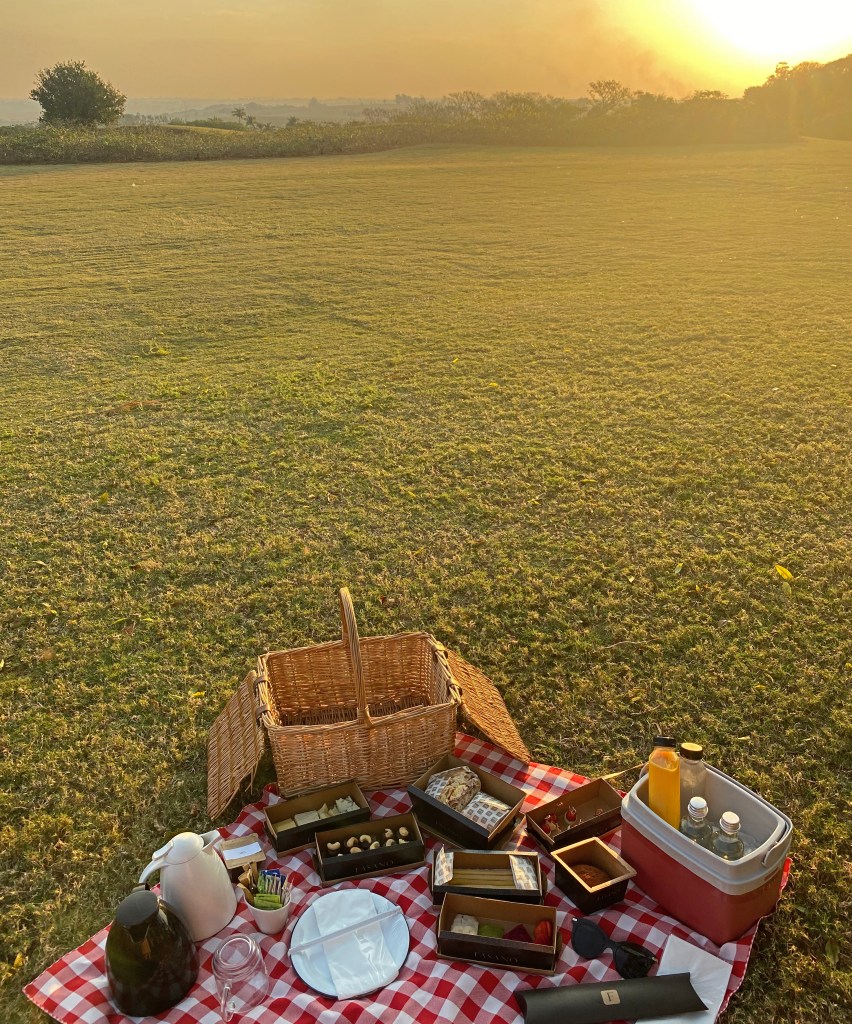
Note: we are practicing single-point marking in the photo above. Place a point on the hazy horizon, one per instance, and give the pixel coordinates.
(266, 49)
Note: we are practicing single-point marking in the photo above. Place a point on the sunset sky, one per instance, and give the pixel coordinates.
(373, 48)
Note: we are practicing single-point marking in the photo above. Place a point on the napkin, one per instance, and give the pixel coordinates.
(709, 976)
(359, 961)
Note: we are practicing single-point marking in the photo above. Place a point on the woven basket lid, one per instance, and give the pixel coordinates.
(234, 747)
(483, 707)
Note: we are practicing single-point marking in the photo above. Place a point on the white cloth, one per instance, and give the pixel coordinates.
(359, 961)
(708, 974)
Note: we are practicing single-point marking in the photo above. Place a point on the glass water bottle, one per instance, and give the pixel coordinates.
(695, 825)
(727, 843)
(693, 774)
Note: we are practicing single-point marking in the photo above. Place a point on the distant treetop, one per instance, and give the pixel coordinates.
(69, 93)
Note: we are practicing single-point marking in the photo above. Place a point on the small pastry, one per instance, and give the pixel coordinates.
(375, 846)
(280, 826)
(465, 924)
(543, 933)
(590, 874)
(571, 813)
(390, 842)
(324, 811)
(518, 934)
(306, 817)
(334, 848)
(350, 842)
(364, 840)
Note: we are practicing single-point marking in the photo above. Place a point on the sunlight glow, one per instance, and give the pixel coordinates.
(790, 30)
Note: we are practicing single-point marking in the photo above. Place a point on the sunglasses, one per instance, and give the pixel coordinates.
(590, 940)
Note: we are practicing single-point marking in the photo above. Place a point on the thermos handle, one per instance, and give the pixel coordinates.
(158, 861)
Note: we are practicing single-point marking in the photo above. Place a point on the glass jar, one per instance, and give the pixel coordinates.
(727, 843)
(241, 978)
(695, 825)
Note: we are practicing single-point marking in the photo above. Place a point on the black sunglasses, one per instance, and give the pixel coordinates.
(590, 940)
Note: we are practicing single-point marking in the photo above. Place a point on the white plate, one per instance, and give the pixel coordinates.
(313, 970)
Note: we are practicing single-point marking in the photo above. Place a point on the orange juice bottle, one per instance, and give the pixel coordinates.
(664, 780)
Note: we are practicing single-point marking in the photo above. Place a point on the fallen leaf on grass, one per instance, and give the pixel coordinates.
(493, 384)
(785, 574)
(198, 693)
(46, 655)
(19, 961)
(678, 568)
(832, 951)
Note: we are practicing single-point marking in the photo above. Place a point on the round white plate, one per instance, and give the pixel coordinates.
(313, 969)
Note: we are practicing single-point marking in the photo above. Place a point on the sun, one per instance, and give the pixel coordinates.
(776, 30)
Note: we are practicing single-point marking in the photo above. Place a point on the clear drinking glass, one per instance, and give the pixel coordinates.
(241, 978)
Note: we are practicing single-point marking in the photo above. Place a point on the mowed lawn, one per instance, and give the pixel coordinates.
(567, 409)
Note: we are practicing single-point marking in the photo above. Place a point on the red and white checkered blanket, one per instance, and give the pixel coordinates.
(428, 990)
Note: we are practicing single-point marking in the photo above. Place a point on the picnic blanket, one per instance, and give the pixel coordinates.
(428, 990)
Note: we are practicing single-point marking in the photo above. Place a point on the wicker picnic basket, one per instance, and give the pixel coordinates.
(380, 711)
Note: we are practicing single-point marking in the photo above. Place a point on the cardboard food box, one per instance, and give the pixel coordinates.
(509, 954)
(451, 825)
(598, 808)
(492, 874)
(240, 853)
(385, 860)
(299, 837)
(590, 898)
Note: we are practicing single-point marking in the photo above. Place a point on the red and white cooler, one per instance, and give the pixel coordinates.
(717, 898)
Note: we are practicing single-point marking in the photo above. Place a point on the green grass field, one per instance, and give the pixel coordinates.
(567, 409)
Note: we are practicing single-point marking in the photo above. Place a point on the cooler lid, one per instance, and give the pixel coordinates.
(235, 746)
(484, 708)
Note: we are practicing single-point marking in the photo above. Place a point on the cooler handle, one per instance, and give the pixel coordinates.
(772, 853)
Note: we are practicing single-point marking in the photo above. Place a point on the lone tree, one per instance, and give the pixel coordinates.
(70, 93)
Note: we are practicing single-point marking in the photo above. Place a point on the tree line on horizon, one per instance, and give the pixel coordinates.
(807, 99)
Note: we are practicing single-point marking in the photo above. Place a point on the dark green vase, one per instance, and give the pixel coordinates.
(150, 959)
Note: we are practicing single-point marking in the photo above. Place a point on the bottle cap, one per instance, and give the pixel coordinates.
(692, 751)
(665, 741)
(698, 807)
(730, 823)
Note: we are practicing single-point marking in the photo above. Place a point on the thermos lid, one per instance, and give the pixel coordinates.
(182, 848)
(692, 751)
(665, 741)
(137, 908)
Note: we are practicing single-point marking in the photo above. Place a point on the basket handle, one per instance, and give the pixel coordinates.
(350, 641)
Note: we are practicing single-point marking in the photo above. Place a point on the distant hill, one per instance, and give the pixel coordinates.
(274, 111)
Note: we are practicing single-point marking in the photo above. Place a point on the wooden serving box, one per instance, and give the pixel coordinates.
(452, 825)
(386, 860)
(302, 836)
(530, 957)
(598, 808)
(588, 898)
(480, 860)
